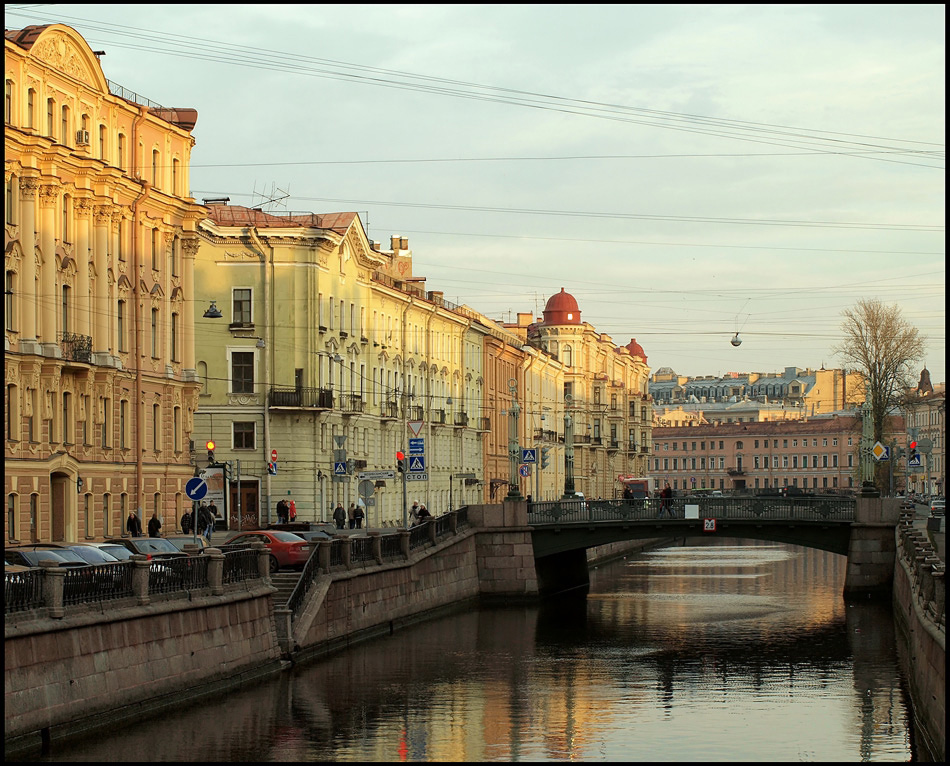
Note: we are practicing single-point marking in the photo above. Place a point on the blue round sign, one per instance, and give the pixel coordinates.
(196, 488)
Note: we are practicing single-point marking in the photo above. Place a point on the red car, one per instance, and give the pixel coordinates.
(286, 549)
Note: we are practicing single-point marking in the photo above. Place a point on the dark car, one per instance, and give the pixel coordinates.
(152, 547)
(180, 541)
(93, 554)
(287, 549)
(314, 534)
(31, 555)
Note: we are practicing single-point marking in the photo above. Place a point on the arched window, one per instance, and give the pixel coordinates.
(12, 521)
(64, 138)
(567, 356)
(8, 103)
(155, 162)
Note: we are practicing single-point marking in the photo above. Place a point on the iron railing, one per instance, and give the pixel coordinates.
(100, 582)
(76, 348)
(311, 398)
(23, 591)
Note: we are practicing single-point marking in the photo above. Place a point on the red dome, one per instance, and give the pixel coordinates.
(636, 349)
(562, 309)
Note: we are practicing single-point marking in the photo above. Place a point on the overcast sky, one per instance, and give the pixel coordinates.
(685, 171)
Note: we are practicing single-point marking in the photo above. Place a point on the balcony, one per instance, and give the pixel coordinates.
(414, 412)
(735, 471)
(303, 398)
(389, 410)
(352, 404)
(613, 445)
(437, 417)
(76, 348)
(483, 424)
(461, 419)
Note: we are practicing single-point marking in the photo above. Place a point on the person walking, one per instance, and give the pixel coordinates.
(358, 516)
(666, 501)
(213, 512)
(281, 511)
(133, 526)
(186, 518)
(204, 519)
(414, 513)
(154, 525)
(291, 510)
(339, 516)
(351, 515)
(423, 514)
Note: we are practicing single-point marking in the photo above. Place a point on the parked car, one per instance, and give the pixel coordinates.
(938, 506)
(180, 541)
(152, 547)
(314, 534)
(31, 555)
(93, 554)
(287, 549)
(119, 552)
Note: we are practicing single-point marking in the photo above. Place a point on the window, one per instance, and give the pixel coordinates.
(154, 333)
(176, 433)
(174, 337)
(120, 151)
(8, 298)
(13, 413)
(34, 517)
(568, 356)
(11, 511)
(243, 435)
(87, 515)
(50, 110)
(241, 305)
(120, 325)
(30, 107)
(68, 425)
(106, 430)
(123, 424)
(64, 138)
(156, 250)
(102, 142)
(175, 167)
(155, 162)
(242, 372)
(65, 308)
(176, 255)
(156, 427)
(107, 514)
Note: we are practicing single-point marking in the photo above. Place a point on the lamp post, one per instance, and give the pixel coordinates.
(568, 448)
(514, 450)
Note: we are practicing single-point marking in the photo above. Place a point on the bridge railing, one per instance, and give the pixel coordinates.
(735, 508)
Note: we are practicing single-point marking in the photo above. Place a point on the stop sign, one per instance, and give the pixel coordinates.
(273, 455)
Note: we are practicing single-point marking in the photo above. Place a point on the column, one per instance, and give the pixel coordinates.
(100, 305)
(48, 300)
(189, 249)
(29, 290)
(83, 213)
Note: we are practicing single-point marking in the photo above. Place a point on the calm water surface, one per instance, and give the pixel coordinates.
(714, 651)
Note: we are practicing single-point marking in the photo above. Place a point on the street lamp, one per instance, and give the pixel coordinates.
(212, 312)
(568, 448)
(514, 450)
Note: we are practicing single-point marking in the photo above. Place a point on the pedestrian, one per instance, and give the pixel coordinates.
(281, 511)
(292, 506)
(358, 516)
(212, 516)
(154, 525)
(414, 513)
(204, 520)
(132, 525)
(339, 516)
(186, 522)
(423, 514)
(351, 515)
(666, 501)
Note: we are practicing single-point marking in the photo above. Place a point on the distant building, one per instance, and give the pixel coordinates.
(925, 410)
(818, 454)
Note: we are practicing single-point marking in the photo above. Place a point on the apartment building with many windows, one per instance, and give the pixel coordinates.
(99, 245)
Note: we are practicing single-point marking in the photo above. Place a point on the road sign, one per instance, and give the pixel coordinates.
(196, 488)
(925, 445)
(914, 462)
(339, 469)
(417, 477)
(529, 456)
(273, 455)
(367, 488)
(339, 441)
(417, 446)
(525, 470)
(417, 464)
(376, 475)
(709, 525)
(415, 426)
(880, 452)
(272, 469)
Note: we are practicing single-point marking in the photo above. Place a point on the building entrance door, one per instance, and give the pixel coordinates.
(58, 483)
(250, 517)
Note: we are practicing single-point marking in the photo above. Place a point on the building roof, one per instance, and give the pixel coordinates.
(636, 349)
(562, 308)
(237, 215)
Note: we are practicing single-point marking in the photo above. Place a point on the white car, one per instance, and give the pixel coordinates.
(938, 506)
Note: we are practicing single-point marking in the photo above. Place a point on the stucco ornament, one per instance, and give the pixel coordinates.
(62, 53)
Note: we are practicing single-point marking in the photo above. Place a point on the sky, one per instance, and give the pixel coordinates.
(686, 172)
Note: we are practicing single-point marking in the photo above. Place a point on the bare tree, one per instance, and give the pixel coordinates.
(882, 346)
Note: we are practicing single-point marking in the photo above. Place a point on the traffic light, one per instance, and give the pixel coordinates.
(912, 447)
(401, 462)
(210, 446)
(545, 456)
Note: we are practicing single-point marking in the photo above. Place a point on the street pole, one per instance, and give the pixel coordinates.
(514, 450)
(405, 502)
(568, 448)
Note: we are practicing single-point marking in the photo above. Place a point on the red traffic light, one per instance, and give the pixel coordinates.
(913, 445)
(400, 456)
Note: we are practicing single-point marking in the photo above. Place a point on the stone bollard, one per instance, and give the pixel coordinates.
(433, 530)
(377, 546)
(404, 543)
(940, 594)
(263, 560)
(454, 522)
(347, 551)
(140, 572)
(215, 570)
(324, 553)
(54, 578)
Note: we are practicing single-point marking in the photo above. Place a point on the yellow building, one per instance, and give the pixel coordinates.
(331, 353)
(99, 242)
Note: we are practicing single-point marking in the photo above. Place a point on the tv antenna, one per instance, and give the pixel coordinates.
(274, 197)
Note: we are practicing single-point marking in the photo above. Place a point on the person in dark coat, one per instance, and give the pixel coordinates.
(339, 516)
(205, 519)
(154, 525)
(186, 522)
(132, 525)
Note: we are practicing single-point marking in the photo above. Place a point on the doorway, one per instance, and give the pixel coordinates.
(250, 513)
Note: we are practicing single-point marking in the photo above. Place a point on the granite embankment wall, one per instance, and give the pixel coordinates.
(919, 603)
(98, 667)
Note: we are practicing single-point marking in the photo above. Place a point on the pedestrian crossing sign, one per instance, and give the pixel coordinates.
(339, 469)
(417, 464)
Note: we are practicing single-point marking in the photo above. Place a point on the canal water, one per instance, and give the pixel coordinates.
(721, 650)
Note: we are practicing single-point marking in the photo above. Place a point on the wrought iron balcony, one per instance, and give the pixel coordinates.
(613, 445)
(306, 398)
(351, 404)
(483, 424)
(76, 348)
(437, 416)
(461, 418)
(735, 472)
(389, 410)
(414, 412)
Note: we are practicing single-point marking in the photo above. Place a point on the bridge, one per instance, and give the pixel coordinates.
(860, 528)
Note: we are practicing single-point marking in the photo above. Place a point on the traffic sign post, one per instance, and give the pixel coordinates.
(196, 488)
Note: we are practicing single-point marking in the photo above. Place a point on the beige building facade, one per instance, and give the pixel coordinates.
(99, 248)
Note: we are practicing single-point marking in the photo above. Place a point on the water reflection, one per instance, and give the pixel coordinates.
(709, 652)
